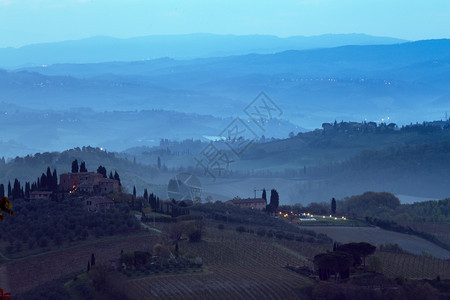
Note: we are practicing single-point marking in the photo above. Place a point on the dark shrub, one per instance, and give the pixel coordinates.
(309, 240)
(261, 231)
(279, 235)
(195, 236)
(289, 236)
(240, 229)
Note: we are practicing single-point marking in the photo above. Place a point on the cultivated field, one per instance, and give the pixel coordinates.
(377, 236)
(236, 266)
(229, 282)
(24, 274)
(439, 230)
(413, 266)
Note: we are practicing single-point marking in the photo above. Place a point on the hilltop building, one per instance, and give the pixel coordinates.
(89, 182)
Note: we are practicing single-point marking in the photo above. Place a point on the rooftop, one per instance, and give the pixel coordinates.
(248, 200)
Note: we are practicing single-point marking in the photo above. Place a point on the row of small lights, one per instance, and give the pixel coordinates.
(312, 216)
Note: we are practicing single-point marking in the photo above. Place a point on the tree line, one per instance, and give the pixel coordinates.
(48, 181)
(43, 224)
(342, 259)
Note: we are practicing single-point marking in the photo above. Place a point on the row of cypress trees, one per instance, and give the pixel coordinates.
(46, 182)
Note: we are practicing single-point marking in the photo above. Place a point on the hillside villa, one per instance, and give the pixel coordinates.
(97, 203)
(252, 203)
(89, 182)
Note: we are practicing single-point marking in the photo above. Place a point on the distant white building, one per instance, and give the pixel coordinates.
(252, 203)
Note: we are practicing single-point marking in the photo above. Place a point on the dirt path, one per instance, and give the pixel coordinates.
(138, 216)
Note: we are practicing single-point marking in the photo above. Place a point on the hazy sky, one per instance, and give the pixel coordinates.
(30, 21)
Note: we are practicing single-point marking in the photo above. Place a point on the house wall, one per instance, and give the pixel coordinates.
(88, 182)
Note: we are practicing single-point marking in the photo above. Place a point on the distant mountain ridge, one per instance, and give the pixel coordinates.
(406, 82)
(103, 49)
(363, 60)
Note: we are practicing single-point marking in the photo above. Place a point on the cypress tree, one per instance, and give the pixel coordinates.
(55, 180)
(2, 190)
(75, 166)
(333, 206)
(151, 201)
(9, 189)
(49, 179)
(116, 177)
(27, 190)
(43, 182)
(274, 199)
(92, 259)
(83, 167)
(134, 197)
(146, 194)
(102, 170)
(16, 189)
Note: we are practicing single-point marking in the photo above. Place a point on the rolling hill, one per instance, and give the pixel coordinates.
(404, 81)
(102, 48)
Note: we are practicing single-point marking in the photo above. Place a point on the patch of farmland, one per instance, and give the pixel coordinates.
(439, 230)
(229, 282)
(240, 266)
(378, 236)
(25, 274)
(413, 266)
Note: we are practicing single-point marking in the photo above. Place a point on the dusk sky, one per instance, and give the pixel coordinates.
(32, 21)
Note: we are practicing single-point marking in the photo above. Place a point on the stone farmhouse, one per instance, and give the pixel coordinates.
(88, 182)
(252, 203)
(98, 203)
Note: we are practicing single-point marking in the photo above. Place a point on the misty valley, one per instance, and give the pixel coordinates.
(208, 166)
